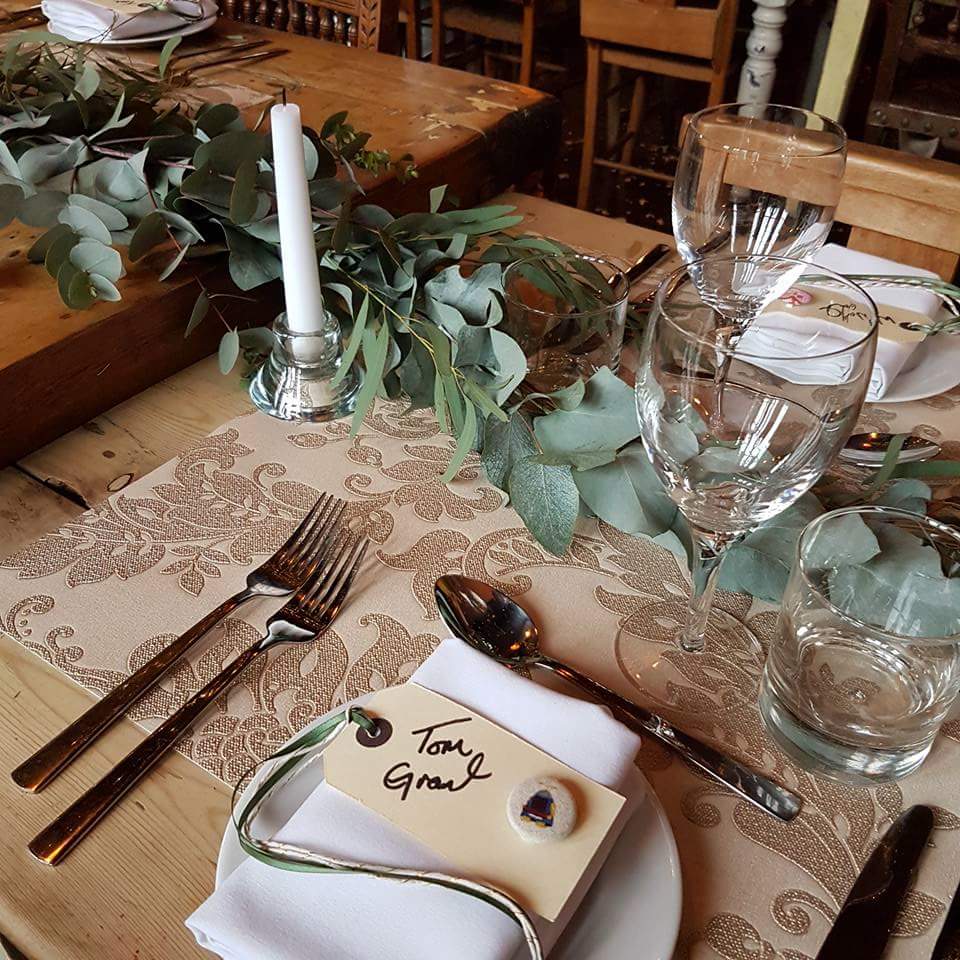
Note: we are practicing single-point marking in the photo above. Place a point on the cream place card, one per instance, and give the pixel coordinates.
(446, 774)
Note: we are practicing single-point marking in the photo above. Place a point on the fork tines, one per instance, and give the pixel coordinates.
(319, 600)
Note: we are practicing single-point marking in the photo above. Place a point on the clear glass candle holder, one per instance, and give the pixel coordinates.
(567, 313)
(298, 381)
(865, 665)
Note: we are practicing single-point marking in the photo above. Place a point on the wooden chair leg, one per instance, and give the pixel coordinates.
(414, 50)
(591, 108)
(436, 53)
(527, 43)
(633, 123)
(715, 93)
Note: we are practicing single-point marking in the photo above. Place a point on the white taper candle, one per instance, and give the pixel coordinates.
(301, 281)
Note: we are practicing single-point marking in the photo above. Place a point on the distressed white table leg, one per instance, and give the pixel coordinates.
(763, 45)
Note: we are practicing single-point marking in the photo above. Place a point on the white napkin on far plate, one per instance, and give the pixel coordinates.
(262, 912)
(779, 334)
(89, 20)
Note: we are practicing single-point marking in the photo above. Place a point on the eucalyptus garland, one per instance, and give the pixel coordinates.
(107, 157)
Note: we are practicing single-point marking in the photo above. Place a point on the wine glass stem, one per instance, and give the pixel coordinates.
(706, 569)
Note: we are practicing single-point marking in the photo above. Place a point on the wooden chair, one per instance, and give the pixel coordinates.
(371, 24)
(902, 207)
(514, 22)
(661, 37)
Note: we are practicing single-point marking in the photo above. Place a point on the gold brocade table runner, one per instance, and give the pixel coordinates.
(104, 593)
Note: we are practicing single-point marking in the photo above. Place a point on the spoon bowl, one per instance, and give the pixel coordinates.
(488, 619)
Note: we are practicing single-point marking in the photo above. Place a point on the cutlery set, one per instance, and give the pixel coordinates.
(316, 568)
(317, 565)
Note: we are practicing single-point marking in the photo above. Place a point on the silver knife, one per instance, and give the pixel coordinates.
(866, 919)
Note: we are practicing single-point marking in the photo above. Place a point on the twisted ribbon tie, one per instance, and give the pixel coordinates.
(287, 856)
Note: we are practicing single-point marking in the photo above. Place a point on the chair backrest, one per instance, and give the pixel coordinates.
(371, 24)
(902, 207)
(662, 25)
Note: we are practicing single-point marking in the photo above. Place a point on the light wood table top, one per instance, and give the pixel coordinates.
(127, 894)
(477, 135)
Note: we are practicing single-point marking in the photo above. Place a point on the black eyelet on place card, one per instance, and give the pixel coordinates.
(382, 732)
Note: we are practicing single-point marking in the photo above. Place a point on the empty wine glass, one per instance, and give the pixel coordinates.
(738, 432)
(757, 179)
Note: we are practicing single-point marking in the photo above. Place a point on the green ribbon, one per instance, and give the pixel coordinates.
(287, 856)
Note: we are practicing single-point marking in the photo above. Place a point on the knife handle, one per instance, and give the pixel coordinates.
(752, 786)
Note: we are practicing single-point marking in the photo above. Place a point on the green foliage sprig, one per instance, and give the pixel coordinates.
(105, 157)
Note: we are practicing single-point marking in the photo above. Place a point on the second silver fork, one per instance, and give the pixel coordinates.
(278, 576)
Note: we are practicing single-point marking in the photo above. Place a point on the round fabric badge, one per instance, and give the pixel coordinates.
(542, 809)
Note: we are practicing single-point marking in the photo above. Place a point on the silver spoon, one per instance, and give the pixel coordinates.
(869, 449)
(492, 623)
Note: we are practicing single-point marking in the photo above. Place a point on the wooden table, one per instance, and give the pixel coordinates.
(164, 838)
(477, 135)
(126, 892)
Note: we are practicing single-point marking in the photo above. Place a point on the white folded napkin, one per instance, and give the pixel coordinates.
(86, 20)
(779, 335)
(261, 912)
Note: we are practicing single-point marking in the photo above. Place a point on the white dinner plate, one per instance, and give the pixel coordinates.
(632, 911)
(933, 368)
(188, 29)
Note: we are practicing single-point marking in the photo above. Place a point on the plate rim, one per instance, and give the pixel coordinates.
(228, 842)
(891, 396)
(188, 29)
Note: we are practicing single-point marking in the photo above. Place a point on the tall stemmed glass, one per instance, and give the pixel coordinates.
(757, 179)
(735, 452)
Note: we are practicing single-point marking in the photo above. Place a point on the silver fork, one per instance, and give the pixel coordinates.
(304, 618)
(278, 576)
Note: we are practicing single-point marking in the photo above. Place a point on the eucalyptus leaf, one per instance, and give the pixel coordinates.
(84, 222)
(353, 347)
(10, 197)
(201, 308)
(110, 217)
(251, 262)
(760, 564)
(605, 420)
(104, 287)
(42, 209)
(906, 494)
(374, 357)
(92, 256)
(38, 252)
(74, 286)
(505, 445)
(150, 232)
(229, 351)
(465, 442)
(547, 500)
(58, 252)
(243, 197)
(166, 53)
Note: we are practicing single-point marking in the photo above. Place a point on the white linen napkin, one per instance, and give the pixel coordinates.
(86, 20)
(261, 912)
(779, 334)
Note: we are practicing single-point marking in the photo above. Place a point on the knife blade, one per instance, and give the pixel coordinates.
(866, 919)
(948, 942)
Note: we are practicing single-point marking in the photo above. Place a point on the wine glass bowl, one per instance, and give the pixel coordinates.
(755, 179)
(738, 429)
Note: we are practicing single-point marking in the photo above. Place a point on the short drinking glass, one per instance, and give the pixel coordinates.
(866, 661)
(567, 312)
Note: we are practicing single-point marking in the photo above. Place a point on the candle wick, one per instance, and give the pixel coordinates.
(283, 93)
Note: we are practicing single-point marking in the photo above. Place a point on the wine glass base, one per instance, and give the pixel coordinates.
(665, 673)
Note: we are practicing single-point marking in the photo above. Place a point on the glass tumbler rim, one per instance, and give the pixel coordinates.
(829, 126)
(882, 511)
(669, 284)
(618, 272)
